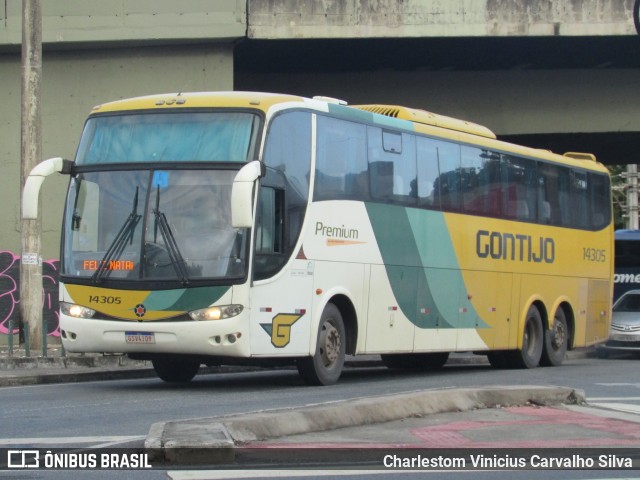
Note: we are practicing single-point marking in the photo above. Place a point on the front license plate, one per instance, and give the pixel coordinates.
(139, 337)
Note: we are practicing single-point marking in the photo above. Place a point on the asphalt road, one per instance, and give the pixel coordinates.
(116, 413)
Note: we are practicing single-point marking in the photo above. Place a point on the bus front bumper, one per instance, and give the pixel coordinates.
(228, 337)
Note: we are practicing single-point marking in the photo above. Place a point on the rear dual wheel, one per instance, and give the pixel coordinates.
(532, 341)
(532, 345)
(556, 341)
(540, 346)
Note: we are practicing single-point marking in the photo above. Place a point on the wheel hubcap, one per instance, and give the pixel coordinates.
(330, 344)
(558, 335)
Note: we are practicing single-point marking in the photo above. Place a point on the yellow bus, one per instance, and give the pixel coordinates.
(254, 228)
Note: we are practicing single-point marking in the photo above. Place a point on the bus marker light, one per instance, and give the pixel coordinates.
(318, 291)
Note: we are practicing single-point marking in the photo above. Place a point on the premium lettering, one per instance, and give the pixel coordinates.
(338, 232)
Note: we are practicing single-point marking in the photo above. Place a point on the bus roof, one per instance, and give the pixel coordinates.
(429, 118)
(388, 115)
(255, 100)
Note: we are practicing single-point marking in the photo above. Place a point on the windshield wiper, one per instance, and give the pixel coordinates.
(177, 260)
(76, 218)
(117, 246)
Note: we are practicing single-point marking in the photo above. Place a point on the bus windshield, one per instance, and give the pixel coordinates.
(154, 225)
(168, 137)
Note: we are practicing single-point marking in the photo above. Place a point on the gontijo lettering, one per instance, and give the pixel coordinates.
(515, 246)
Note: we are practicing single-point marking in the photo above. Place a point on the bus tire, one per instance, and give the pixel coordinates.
(532, 341)
(325, 366)
(175, 370)
(556, 341)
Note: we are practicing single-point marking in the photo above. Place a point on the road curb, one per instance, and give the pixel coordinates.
(213, 440)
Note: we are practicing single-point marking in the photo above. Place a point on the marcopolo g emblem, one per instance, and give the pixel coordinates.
(280, 328)
(140, 310)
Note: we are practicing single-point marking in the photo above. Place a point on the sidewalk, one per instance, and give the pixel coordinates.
(499, 422)
(19, 369)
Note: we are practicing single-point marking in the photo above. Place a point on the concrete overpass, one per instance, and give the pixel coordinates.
(563, 75)
(559, 74)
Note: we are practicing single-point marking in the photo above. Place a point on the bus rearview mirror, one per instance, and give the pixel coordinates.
(31, 192)
(242, 194)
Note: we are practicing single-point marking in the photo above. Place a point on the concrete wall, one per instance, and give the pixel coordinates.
(75, 81)
(279, 19)
(69, 22)
(510, 102)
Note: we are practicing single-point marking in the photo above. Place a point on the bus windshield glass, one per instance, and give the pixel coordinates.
(153, 225)
(168, 137)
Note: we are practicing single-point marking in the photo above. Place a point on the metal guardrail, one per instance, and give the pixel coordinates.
(27, 341)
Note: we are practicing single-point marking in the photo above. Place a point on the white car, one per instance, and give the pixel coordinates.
(624, 334)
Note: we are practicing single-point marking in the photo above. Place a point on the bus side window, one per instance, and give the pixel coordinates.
(599, 194)
(287, 154)
(341, 160)
(392, 166)
(427, 160)
(548, 194)
(448, 182)
(520, 188)
(579, 202)
(269, 232)
(481, 186)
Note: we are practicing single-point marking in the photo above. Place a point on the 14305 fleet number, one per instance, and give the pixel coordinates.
(105, 299)
(594, 254)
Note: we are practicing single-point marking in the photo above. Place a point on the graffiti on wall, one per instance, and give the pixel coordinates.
(10, 294)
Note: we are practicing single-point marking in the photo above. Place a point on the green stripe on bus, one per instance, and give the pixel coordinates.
(422, 267)
(185, 299)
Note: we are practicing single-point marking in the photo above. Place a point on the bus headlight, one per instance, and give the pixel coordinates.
(216, 313)
(77, 311)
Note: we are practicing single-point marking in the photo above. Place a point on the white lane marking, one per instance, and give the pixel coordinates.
(100, 441)
(240, 474)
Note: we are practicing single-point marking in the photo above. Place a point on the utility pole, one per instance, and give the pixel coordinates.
(632, 196)
(31, 151)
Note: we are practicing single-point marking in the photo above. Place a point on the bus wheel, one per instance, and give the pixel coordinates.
(175, 370)
(325, 366)
(532, 341)
(556, 341)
